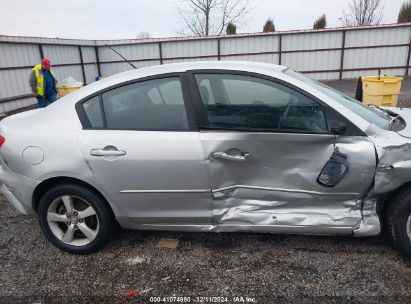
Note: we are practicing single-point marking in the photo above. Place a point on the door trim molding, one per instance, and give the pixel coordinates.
(229, 188)
(285, 190)
(167, 191)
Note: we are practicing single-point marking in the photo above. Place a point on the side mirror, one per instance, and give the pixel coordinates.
(334, 170)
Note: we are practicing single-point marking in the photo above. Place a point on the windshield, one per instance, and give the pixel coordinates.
(375, 115)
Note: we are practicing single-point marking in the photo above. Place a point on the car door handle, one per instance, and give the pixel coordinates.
(103, 152)
(222, 155)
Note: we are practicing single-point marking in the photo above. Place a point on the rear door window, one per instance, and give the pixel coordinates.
(93, 112)
(148, 105)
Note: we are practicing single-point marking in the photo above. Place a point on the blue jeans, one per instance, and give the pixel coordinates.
(44, 102)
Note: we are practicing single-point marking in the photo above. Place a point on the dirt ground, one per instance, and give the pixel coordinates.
(204, 268)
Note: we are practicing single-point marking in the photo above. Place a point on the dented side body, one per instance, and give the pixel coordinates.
(277, 188)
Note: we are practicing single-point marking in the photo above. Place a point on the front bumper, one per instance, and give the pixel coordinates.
(17, 189)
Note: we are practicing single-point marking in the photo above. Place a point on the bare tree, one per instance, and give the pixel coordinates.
(211, 17)
(363, 12)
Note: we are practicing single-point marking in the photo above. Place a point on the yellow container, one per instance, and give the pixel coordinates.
(381, 90)
(62, 91)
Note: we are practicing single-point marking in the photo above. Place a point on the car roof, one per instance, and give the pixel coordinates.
(246, 66)
(67, 103)
(261, 68)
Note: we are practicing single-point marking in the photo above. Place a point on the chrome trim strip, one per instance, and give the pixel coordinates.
(285, 190)
(244, 187)
(250, 225)
(167, 191)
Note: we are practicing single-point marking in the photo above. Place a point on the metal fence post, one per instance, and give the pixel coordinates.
(342, 54)
(160, 50)
(41, 51)
(279, 48)
(218, 49)
(408, 57)
(83, 72)
(97, 61)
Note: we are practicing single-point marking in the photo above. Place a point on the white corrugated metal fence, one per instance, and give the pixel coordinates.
(322, 54)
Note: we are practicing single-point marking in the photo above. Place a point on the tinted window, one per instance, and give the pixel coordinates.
(245, 102)
(93, 112)
(148, 105)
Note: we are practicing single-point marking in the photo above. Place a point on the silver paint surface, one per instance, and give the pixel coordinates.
(171, 180)
(276, 186)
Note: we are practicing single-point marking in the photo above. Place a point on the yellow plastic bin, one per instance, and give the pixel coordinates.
(62, 91)
(381, 90)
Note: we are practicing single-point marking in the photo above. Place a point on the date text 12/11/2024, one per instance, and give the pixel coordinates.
(202, 299)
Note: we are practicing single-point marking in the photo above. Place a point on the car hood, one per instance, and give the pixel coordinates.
(406, 114)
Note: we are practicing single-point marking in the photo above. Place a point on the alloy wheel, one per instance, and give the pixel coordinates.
(73, 220)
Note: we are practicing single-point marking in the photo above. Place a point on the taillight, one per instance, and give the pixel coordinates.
(2, 140)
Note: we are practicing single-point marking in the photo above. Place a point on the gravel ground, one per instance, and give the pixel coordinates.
(265, 268)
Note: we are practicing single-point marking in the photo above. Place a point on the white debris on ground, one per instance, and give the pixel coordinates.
(69, 82)
(135, 261)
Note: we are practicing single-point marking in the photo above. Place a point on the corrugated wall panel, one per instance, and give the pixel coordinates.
(15, 55)
(376, 57)
(17, 104)
(131, 52)
(267, 58)
(21, 53)
(108, 69)
(256, 44)
(14, 82)
(188, 60)
(91, 72)
(324, 76)
(311, 61)
(142, 64)
(61, 54)
(369, 37)
(189, 48)
(66, 71)
(89, 54)
(46, 40)
(311, 41)
(356, 74)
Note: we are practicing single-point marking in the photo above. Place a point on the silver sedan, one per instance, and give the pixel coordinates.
(209, 146)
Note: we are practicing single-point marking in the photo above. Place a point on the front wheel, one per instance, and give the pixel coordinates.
(399, 221)
(74, 219)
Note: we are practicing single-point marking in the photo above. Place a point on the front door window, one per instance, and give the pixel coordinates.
(251, 103)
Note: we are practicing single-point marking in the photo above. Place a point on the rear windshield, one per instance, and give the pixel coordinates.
(368, 113)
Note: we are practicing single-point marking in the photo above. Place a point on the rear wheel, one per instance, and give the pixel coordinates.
(75, 219)
(399, 221)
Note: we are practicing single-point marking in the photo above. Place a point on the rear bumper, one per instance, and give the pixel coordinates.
(17, 189)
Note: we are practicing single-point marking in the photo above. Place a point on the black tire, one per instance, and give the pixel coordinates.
(397, 217)
(102, 211)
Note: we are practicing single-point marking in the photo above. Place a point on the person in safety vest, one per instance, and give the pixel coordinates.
(43, 84)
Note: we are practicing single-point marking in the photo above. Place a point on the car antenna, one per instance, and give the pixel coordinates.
(121, 56)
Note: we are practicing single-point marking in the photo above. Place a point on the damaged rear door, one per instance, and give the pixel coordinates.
(272, 160)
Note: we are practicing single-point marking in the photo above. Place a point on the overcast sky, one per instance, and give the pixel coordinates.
(111, 19)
